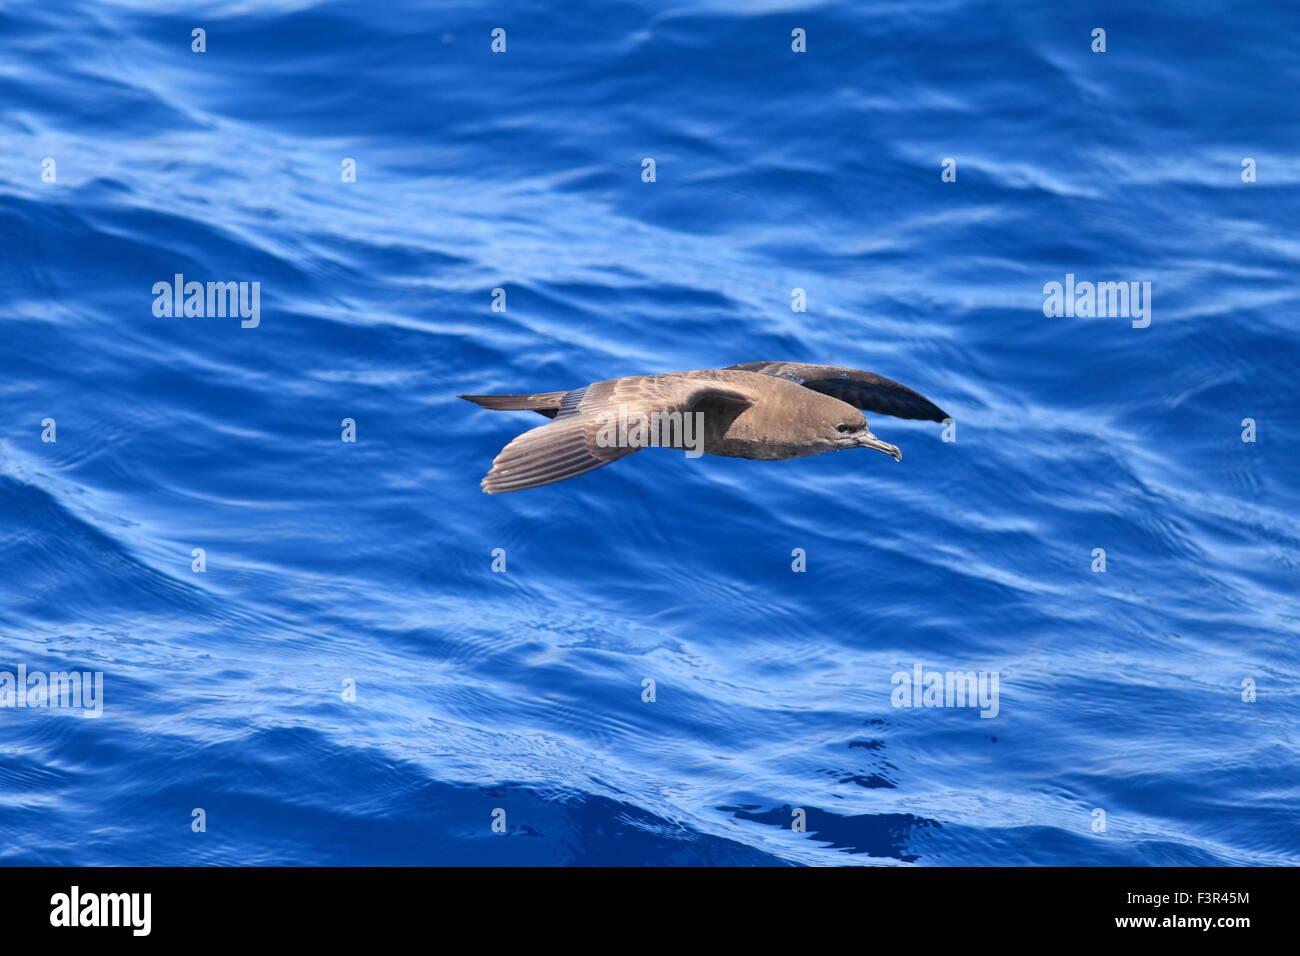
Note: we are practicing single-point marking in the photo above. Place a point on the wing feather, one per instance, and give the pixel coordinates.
(865, 390)
(572, 444)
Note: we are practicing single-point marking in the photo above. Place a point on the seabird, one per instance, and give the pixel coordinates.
(763, 410)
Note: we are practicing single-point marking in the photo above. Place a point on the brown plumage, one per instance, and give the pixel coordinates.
(764, 410)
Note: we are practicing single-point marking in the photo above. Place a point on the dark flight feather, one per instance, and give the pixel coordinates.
(865, 390)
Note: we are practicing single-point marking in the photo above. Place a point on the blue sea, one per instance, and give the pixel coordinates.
(319, 651)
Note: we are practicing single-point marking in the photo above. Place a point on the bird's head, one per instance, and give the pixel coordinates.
(849, 430)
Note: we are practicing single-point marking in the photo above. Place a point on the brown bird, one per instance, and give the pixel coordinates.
(765, 410)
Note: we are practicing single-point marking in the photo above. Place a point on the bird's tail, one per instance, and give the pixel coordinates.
(544, 403)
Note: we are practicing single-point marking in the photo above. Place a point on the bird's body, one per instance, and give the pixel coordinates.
(762, 410)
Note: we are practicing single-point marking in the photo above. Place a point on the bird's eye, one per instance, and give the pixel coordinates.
(844, 427)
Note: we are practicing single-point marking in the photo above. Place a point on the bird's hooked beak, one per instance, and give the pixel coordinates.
(871, 441)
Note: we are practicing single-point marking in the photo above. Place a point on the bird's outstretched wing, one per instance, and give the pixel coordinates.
(865, 390)
(585, 434)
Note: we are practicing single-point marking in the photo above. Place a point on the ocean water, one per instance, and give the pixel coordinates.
(350, 682)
